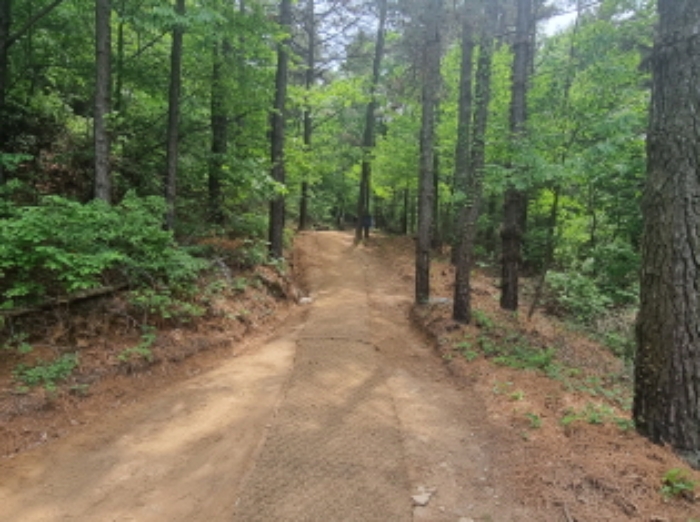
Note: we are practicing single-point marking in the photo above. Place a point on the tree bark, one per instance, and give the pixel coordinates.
(219, 121)
(464, 122)
(170, 182)
(103, 43)
(277, 207)
(5, 26)
(515, 202)
(368, 139)
(308, 119)
(667, 370)
(474, 170)
(430, 68)
(119, 67)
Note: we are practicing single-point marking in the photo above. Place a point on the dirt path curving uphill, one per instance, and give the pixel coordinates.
(347, 415)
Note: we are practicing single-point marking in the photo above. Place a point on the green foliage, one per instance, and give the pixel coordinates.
(482, 320)
(17, 343)
(10, 162)
(516, 352)
(534, 419)
(578, 295)
(62, 246)
(47, 375)
(163, 304)
(141, 350)
(677, 483)
(594, 413)
(465, 349)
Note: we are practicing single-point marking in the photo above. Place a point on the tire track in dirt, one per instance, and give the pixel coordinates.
(177, 456)
(335, 450)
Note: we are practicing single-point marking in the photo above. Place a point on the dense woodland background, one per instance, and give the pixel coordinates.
(512, 131)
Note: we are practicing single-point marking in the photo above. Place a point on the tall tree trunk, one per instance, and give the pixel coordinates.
(310, 74)
(435, 233)
(514, 207)
(276, 225)
(103, 44)
(430, 68)
(667, 370)
(469, 212)
(368, 139)
(548, 252)
(171, 158)
(461, 303)
(464, 122)
(5, 26)
(405, 211)
(119, 67)
(219, 133)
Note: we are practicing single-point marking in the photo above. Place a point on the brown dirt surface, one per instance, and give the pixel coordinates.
(359, 407)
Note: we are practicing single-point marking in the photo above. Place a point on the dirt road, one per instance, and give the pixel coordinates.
(347, 415)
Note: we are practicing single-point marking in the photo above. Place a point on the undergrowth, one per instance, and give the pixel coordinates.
(505, 345)
(61, 246)
(48, 374)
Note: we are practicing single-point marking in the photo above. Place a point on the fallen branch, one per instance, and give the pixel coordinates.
(78, 296)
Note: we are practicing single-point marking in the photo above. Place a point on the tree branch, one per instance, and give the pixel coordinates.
(34, 19)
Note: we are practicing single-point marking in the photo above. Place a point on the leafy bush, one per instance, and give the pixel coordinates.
(677, 483)
(616, 266)
(63, 246)
(577, 294)
(162, 304)
(47, 374)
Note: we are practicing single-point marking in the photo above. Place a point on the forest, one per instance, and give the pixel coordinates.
(516, 136)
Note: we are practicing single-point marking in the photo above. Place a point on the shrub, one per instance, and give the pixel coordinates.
(63, 246)
(577, 294)
(47, 374)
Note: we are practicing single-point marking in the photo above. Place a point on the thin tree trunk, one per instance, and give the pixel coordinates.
(514, 208)
(277, 207)
(5, 27)
(308, 119)
(667, 367)
(119, 69)
(219, 134)
(404, 213)
(171, 160)
(430, 69)
(368, 140)
(464, 122)
(549, 251)
(103, 185)
(469, 212)
(435, 233)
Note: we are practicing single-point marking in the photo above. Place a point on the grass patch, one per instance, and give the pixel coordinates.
(47, 375)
